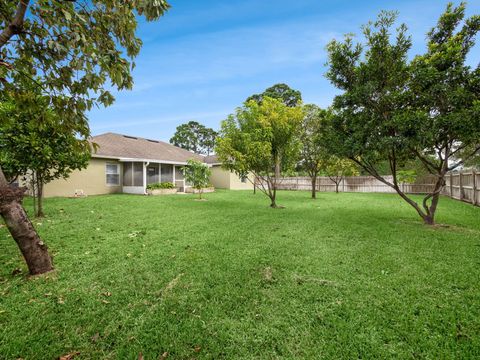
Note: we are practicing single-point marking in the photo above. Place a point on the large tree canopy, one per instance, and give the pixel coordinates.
(75, 51)
(394, 110)
(194, 137)
(261, 138)
(282, 92)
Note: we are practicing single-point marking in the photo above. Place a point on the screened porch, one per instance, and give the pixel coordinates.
(137, 175)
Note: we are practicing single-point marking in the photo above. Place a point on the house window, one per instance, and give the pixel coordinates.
(113, 174)
(243, 178)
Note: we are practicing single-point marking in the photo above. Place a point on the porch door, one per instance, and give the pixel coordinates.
(153, 174)
(133, 178)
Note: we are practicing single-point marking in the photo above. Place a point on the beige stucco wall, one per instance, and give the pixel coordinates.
(223, 179)
(91, 180)
(220, 178)
(237, 184)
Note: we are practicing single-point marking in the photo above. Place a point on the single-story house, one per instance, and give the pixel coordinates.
(127, 164)
(224, 179)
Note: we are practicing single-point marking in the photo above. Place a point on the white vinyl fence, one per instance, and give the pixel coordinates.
(464, 185)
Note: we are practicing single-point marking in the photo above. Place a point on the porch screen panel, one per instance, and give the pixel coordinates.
(152, 174)
(137, 174)
(127, 174)
(178, 173)
(166, 173)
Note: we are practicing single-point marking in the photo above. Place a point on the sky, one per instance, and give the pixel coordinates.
(204, 58)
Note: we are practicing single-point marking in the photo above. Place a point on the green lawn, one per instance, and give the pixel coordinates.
(344, 276)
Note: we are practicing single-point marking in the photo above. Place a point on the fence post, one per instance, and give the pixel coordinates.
(460, 184)
(343, 184)
(474, 187)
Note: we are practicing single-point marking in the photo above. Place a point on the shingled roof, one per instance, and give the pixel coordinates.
(120, 146)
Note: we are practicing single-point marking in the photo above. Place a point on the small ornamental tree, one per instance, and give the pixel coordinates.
(198, 175)
(261, 139)
(77, 51)
(313, 149)
(34, 144)
(396, 111)
(337, 169)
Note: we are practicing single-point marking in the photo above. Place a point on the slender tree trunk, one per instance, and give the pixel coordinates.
(314, 187)
(337, 184)
(34, 193)
(32, 247)
(40, 197)
(273, 198)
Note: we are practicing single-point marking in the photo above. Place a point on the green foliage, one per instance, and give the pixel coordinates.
(197, 174)
(312, 136)
(37, 144)
(261, 138)
(75, 50)
(406, 176)
(394, 111)
(339, 168)
(282, 92)
(34, 138)
(163, 185)
(194, 137)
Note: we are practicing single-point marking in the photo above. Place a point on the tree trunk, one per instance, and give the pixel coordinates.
(337, 184)
(273, 198)
(34, 193)
(39, 198)
(314, 187)
(32, 247)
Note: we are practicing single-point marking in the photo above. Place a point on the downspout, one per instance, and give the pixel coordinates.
(145, 177)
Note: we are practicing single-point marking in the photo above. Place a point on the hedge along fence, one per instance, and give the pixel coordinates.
(463, 185)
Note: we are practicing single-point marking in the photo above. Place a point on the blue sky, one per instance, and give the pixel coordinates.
(204, 58)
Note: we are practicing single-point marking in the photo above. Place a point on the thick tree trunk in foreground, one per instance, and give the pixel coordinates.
(32, 247)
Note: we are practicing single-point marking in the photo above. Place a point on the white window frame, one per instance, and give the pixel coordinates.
(107, 173)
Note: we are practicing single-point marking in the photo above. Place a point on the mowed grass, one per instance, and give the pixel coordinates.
(344, 276)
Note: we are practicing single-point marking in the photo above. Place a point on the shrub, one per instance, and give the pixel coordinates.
(164, 185)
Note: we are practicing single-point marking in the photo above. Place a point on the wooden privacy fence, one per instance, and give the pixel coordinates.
(463, 185)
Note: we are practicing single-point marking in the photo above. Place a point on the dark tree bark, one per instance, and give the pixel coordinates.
(314, 186)
(32, 247)
(39, 198)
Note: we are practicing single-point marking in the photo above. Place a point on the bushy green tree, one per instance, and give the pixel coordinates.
(33, 143)
(394, 110)
(262, 139)
(282, 92)
(194, 137)
(337, 169)
(198, 174)
(75, 51)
